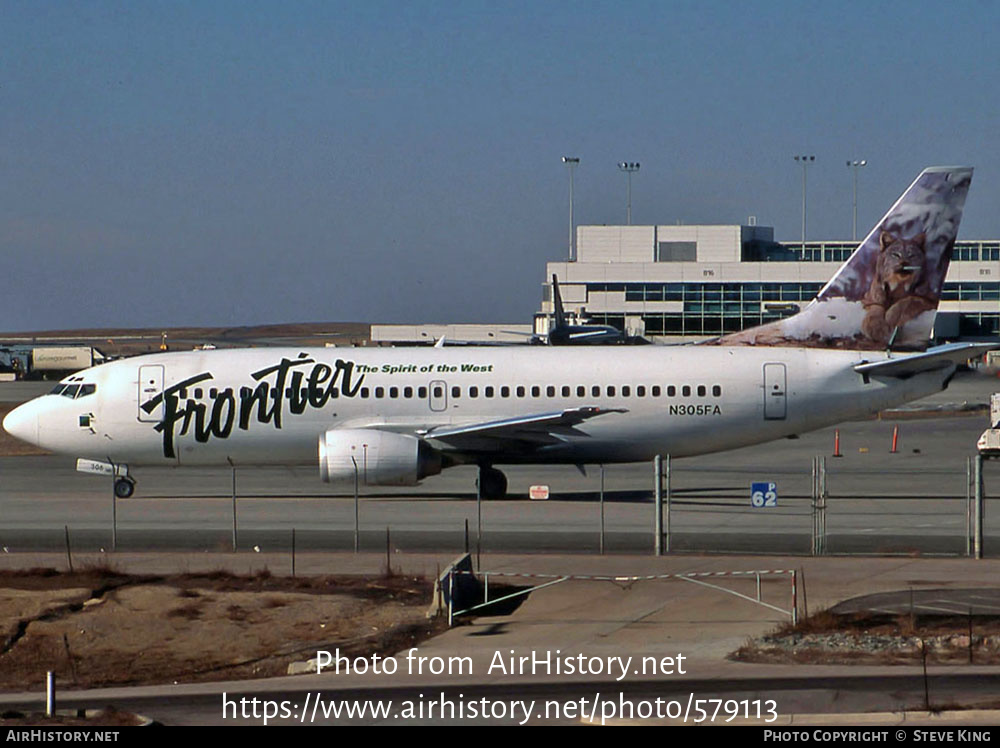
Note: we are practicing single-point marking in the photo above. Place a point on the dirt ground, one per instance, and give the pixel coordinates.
(97, 627)
(879, 639)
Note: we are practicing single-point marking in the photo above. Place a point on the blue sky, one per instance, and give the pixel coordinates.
(226, 163)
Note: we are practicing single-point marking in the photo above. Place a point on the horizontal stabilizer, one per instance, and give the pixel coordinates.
(930, 360)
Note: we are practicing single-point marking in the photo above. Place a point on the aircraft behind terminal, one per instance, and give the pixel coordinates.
(582, 333)
(393, 416)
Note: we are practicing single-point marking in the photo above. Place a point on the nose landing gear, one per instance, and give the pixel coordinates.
(124, 487)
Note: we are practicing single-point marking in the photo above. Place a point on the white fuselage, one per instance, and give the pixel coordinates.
(269, 406)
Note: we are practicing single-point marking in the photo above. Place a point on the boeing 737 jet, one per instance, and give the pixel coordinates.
(395, 416)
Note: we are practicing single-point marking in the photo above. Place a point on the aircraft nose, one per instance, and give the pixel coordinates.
(22, 422)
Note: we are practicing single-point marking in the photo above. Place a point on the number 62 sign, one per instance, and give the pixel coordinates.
(763, 495)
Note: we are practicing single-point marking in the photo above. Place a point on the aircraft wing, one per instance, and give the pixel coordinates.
(930, 360)
(524, 432)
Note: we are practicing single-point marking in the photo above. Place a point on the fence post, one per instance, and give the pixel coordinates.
(978, 513)
(658, 501)
(666, 529)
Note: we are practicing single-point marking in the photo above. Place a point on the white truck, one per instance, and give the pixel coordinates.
(989, 442)
(60, 360)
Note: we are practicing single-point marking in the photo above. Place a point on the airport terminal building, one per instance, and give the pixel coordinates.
(678, 283)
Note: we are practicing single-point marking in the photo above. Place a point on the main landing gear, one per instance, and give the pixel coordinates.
(491, 482)
(124, 487)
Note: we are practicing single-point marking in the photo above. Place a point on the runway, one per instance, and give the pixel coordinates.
(913, 501)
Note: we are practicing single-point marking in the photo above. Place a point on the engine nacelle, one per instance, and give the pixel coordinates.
(378, 458)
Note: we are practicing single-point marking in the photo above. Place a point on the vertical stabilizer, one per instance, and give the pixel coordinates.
(886, 294)
(560, 315)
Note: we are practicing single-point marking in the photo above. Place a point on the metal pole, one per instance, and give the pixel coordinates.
(968, 506)
(978, 514)
(114, 509)
(822, 503)
(658, 501)
(854, 166)
(812, 496)
(69, 552)
(479, 518)
(667, 496)
(451, 597)
(50, 693)
(628, 167)
(357, 514)
(804, 160)
(570, 163)
(235, 531)
(293, 551)
(602, 510)
(795, 597)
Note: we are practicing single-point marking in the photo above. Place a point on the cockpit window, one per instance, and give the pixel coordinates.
(70, 391)
(87, 389)
(57, 390)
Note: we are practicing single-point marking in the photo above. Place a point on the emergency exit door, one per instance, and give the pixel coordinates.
(775, 392)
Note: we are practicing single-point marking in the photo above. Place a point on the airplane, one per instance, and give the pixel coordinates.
(585, 333)
(394, 416)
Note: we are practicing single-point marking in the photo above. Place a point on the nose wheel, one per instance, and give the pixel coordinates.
(124, 487)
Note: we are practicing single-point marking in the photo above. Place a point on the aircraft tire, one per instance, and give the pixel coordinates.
(492, 483)
(124, 488)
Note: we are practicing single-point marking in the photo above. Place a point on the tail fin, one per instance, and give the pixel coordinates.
(557, 302)
(886, 294)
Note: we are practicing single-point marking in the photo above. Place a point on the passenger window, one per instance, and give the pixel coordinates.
(640, 391)
(364, 392)
(394, 392)
(656, 390)
(473, 392)
(671, 390)
(183, 393)
(581, 391)
(701, 390)
(520, 391)
(626, 391)
(565, 391)
(199, 393)
(536, 391)
(595, 391)
(334, 393)
(380, 392)
(716, 391)
(505, 391)
(550, 391)
(421, 392)
(439, 392)
(686, 390)
(213, 393)
(408, 392)
(611, 390)
(488, 392)
(456, 391)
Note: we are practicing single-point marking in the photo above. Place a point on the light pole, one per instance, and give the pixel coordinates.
(628, 167)
(805, 160)
(570, 164)
(855, 165)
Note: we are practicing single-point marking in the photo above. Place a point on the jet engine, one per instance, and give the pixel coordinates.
(377, 458)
